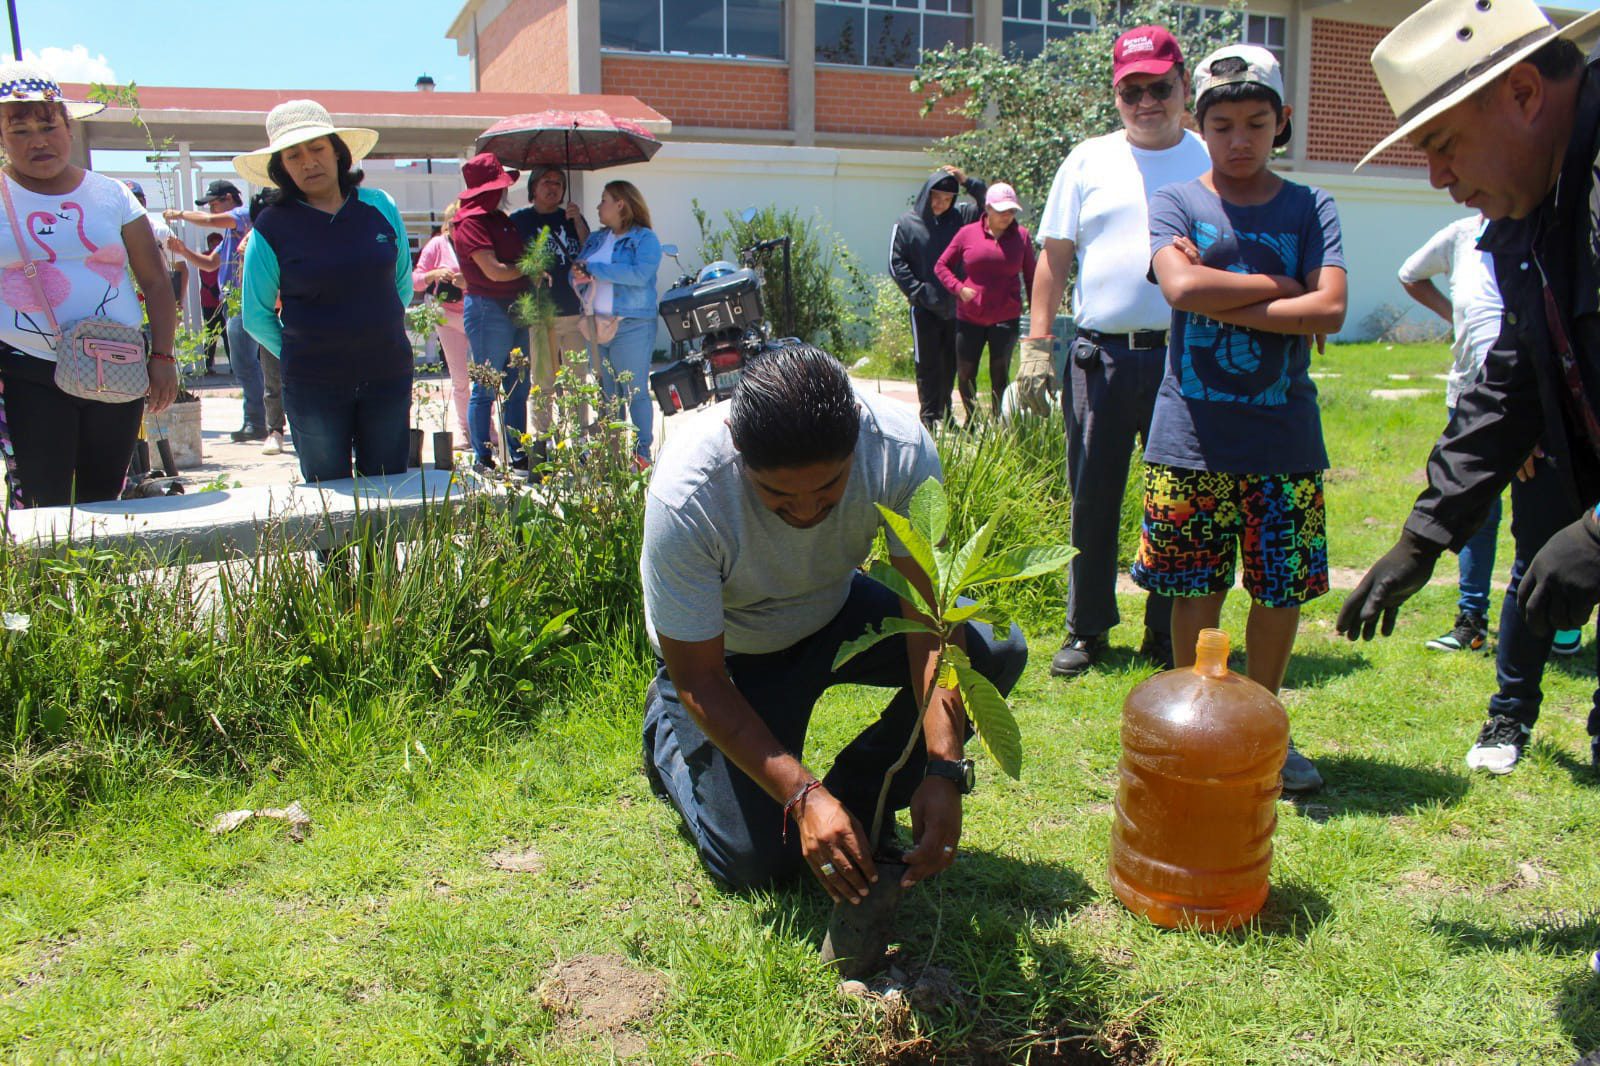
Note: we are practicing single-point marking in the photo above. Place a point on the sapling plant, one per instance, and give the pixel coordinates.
(952, 576)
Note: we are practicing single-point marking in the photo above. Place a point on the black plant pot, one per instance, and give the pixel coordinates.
(414, 460)
(858, 933)
(443, 450)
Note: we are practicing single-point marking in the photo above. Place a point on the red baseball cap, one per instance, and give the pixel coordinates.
(1144, 50)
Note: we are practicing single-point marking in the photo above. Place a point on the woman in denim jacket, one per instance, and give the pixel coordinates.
(618, 267)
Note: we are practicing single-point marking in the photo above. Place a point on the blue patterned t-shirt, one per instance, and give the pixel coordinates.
(1237, 400)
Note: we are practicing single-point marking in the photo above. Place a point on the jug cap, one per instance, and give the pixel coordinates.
(1211, 653)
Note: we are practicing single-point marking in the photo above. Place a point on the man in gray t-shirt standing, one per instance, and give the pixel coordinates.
(754, 530)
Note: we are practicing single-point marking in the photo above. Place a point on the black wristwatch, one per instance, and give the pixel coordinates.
(957, 770)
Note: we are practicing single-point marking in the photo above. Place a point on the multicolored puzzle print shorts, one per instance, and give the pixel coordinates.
(1196, 522)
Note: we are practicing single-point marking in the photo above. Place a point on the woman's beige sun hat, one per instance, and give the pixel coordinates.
(1449, 49)
(295, 122)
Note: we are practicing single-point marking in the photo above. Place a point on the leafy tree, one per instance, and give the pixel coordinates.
(1032, 112)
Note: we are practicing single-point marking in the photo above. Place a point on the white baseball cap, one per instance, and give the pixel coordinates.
(1241, 64)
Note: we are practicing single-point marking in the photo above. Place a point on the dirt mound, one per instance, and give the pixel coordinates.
(602, 997)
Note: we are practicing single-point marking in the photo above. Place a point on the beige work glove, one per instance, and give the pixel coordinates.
(1036, 377)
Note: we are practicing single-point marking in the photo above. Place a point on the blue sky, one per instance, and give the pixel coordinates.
(278, 44)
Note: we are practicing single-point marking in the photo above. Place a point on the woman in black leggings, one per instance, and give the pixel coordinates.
(82, 231)
(991, 254)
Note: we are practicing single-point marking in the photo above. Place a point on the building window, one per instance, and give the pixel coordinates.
(1027, 24)
(751, 28)
(889, 33)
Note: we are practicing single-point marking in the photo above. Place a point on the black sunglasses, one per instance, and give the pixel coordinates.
(1160, 92)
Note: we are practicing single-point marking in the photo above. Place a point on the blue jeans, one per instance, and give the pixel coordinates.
(372, 418)
(736, 826)
(1476, 562)
(629, 352)
(246, 363)
(491, 334)
(1539, 510)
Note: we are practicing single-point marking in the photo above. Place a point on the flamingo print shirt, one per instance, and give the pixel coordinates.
(1236, 400)
(75, 242)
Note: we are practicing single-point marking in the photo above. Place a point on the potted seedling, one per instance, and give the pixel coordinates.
(859, 933)
(422, 319)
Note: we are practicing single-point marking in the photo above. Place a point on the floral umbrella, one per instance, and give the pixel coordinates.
(572, 140)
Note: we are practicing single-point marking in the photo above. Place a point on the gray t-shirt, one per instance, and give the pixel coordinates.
(717, 561)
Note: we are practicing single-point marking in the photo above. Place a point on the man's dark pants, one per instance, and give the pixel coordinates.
(1539, 510)
(1111, 396)
(739, 829)
(934, 340)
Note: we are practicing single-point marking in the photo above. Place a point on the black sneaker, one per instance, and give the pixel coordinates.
(1499, 745)
(248, 432)
(1471, 633)
(1077, 654)
(1157, 647)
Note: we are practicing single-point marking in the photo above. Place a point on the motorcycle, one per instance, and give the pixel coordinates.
(718, 325)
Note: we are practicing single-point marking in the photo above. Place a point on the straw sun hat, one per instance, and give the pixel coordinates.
(22, 83)
(295, 122)
(1450, 49)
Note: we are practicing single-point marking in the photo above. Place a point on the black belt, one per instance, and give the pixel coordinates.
(1137, 340)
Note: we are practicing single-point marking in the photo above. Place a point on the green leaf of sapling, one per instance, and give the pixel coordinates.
(930, 511)
(992, 718)
(967, 558)
(915, 543)
(888, 628)
(885, 574)
(1018, 564)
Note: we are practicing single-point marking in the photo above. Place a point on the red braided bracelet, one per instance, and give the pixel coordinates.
(799, 798)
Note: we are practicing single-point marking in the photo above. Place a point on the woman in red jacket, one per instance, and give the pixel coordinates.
(992, 254)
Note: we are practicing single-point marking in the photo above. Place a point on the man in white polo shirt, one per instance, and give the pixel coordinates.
(1097, 214)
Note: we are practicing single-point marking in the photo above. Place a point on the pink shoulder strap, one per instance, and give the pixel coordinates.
(29, 267)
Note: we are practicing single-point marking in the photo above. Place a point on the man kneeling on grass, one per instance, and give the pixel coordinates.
(754, 529)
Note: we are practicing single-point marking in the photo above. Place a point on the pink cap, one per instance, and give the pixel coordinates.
(1002, 197)
(1144, 50)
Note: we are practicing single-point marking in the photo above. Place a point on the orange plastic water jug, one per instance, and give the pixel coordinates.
(1202, 751)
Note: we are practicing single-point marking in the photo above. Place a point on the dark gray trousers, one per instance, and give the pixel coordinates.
(1110, 396)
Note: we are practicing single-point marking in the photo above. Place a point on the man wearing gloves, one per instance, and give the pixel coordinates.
(1098, 215)
(1507, 112)
(920, 237)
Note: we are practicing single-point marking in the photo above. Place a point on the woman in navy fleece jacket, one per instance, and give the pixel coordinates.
(336, 256)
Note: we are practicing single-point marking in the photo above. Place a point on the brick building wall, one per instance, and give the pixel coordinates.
(1348, 111)
(524, 50)
(720, 94)
(878, 102)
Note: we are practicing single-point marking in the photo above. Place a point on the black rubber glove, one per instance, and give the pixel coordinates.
(1393, 580)
(1562, 584)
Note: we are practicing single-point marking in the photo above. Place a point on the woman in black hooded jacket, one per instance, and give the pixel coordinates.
(920, 238)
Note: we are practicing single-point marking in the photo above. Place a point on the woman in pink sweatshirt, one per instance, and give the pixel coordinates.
(995, 260)
(437, 265)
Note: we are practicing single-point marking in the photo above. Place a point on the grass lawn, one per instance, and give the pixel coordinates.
(1418, 914)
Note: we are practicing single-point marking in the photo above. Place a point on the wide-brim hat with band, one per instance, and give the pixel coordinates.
(22, 83)
(1450, 49)
(296, 122)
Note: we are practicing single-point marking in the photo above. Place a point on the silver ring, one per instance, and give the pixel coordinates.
(827, 869)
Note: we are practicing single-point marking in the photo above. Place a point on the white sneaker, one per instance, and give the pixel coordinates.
(273, 445)
(1499, 745)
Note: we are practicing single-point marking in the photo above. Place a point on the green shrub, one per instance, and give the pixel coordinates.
(470, 622)
(883, 334)
(829, 287)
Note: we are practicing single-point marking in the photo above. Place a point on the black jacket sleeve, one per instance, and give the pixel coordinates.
(901, 251)
(1498, 422)
(976, 188)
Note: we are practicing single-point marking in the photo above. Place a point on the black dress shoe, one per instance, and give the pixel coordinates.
(248, 433)
(1077, 655)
